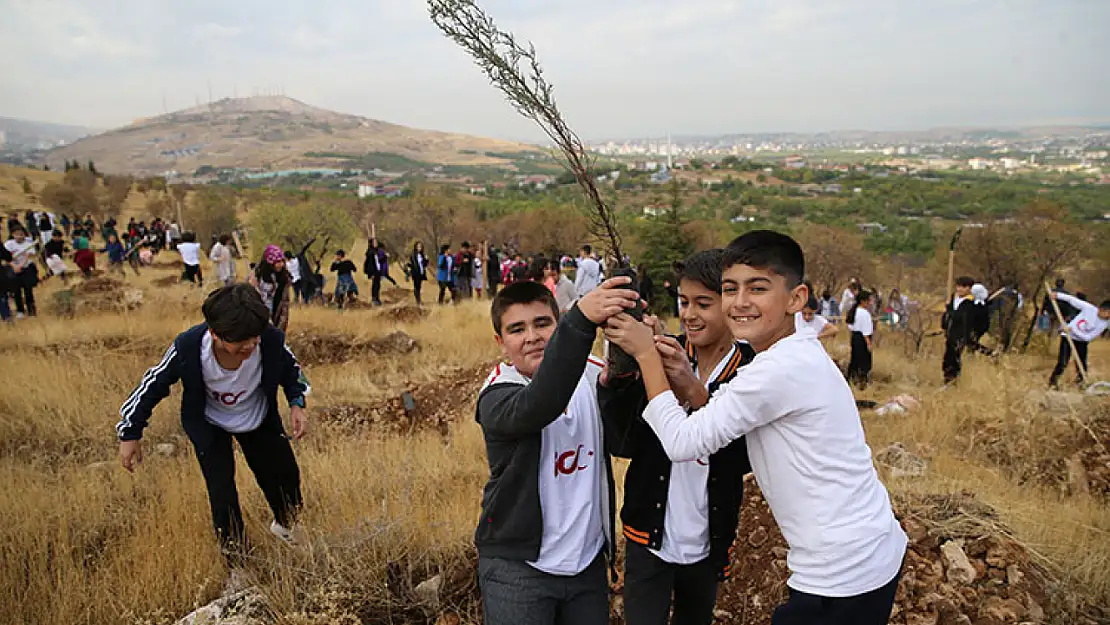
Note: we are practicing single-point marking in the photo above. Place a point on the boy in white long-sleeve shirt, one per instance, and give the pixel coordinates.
(804, 436)
(1086, 326)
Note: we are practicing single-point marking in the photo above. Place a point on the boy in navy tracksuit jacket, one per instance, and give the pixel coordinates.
(679, 518)
(230, 368)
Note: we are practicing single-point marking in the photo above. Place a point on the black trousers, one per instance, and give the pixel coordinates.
(193, 274)
(376, 289)
(871, 608)
(270, 457)
(1064, 357)
(416, 284)
(952, 363)
(859, 367)
(24, 298)
(446, 288)
(650, 583)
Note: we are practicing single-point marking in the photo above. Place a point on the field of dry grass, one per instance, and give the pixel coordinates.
(84, 542)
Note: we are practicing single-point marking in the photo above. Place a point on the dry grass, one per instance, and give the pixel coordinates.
(93, 544)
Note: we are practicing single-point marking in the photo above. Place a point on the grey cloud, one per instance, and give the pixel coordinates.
(621, 67)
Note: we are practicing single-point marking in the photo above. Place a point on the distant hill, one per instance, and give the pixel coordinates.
(272, 133)
(27, 135)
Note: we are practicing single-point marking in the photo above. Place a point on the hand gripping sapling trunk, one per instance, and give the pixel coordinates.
(620, 363)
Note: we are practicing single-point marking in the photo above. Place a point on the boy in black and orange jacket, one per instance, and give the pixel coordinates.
(679, 518)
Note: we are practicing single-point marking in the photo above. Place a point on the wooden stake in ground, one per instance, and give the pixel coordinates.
(951, 265)
(1067, 333)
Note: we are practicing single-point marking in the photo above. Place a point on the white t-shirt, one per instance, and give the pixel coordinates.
(233, 400)
(573, 511)
(811, 461)
(190, 253)
(21, 252)
(815, 326)
(686, 520)
(863, 324)
(294, 267)
(1085, 326)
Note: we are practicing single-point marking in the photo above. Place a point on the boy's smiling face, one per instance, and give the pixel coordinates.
(701, 313)
(759, 305)
(525, 331)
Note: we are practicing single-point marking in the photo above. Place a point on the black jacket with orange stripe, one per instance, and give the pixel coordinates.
(648, 477)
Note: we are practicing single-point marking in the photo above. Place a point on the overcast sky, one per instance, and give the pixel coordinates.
(620, 67)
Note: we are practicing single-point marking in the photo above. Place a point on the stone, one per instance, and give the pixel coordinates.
(448, 618)
(901, 462)
(926, 618)
(1056, 402)
(779, 552)
(102, 466)
(165, 449)
(1004, 610)
(959, 568)
(245, 607)
(758, 537)
(1014, 575)
(723, 615)
(427, 593)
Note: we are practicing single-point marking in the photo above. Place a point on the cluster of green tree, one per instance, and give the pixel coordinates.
(373, 160)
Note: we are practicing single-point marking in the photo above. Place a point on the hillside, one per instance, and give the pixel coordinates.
(271, 133)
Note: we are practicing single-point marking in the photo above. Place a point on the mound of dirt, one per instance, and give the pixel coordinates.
(315, 348)
(1069, 451)
(405, 313)
(431, 407)
(97, 285)
(994, 583)
(167, 281)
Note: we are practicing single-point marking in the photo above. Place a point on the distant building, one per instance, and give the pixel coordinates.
(794, 162)
(979, 163)
(871, 227)
(370, 189)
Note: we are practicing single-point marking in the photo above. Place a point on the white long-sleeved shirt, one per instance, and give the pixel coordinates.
(809, 456)
(1085, 326)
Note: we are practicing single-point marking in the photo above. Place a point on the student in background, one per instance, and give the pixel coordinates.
(345, 285)
(848, 298)
(464, 271)
(190, 256)
(445, 274)
(565, 293)
(846, 548)
(274, 285)
(588, 274)
(54, 250)
(493, 270)
(958, 324)
(24, 273)
(293, 266)
(679, 518)
(829, 309)
(862, 327)
(222, 258)
(807, 320)
(546, 526)
(1087, 325)
(418, 269)
(115, 251)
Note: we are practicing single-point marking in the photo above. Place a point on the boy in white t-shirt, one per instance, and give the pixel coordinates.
(547, 509)
(804, 434)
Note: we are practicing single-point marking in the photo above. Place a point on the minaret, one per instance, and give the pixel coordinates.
(670, 150)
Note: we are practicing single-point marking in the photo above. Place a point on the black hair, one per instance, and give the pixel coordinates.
(537, 268)
(188, 237)
(520, 293)
(266, 273)
(1105, 304)
(225, 238)
(466, 244)
(342, 253)
(415, 243)
(587, 249)
(236, 313)
(826, 294)
(443, 248)
(767, 249)
(967, 281)
(701, 267)
(863, 297)
(811, 303)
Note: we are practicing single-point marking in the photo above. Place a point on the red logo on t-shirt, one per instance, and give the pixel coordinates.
(228, 399)
(569, 462)
(1082, 325)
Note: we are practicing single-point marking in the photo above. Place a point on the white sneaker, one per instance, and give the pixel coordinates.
(287, 535)
(18, 315)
